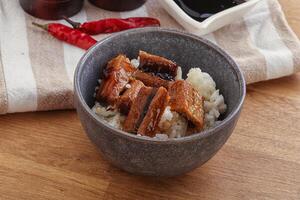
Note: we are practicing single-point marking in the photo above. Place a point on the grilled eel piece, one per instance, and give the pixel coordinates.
(185, 100)
(146, 111)
(138, 109)
(116, 75)
(158, 66)
(126, 99)
(149, 125)
(151, 80)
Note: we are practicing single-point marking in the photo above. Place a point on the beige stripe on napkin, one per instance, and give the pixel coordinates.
(154, 10)
(3, 93)
(235, 40)
(94, 13)
(54, 90)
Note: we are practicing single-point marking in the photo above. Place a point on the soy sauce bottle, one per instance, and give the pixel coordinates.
(118, 5)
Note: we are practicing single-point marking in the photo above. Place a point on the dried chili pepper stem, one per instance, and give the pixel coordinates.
(75, 25)
(111, 25)
(67, 34)
(42, 26)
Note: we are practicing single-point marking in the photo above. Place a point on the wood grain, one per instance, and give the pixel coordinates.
(48, 156)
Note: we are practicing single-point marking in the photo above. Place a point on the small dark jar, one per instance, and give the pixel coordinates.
(51, 9)
(118, 5)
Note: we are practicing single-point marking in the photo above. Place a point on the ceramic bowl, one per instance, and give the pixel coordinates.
(149, 156)
(210, 24)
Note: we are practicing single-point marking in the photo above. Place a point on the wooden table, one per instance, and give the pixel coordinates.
(48, 156)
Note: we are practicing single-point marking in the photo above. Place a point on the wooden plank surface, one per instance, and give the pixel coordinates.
(47, 155)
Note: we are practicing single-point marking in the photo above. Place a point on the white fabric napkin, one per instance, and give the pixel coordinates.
(36, 70)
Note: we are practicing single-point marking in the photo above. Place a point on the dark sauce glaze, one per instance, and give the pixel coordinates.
(146, 107)
(203, 9)
(162, 75)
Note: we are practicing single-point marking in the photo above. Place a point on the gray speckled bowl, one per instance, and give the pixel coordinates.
(151, 156)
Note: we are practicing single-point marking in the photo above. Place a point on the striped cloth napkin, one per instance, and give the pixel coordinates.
(36, 71)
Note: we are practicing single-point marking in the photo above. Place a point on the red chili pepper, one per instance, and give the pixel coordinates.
(111, 25)
(69, 35)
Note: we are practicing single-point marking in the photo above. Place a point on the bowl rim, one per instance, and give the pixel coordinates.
(179, 33)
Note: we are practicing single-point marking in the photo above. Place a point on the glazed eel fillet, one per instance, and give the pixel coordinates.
(155, 71)
(158, 66)
(188, 102)
(117, 74)
(126, 99)
(146, 111)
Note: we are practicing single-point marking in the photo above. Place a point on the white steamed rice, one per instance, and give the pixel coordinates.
(113, 118)
(214, 104)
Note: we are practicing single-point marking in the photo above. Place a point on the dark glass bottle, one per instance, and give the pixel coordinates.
(51, 9)
(118, 5)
